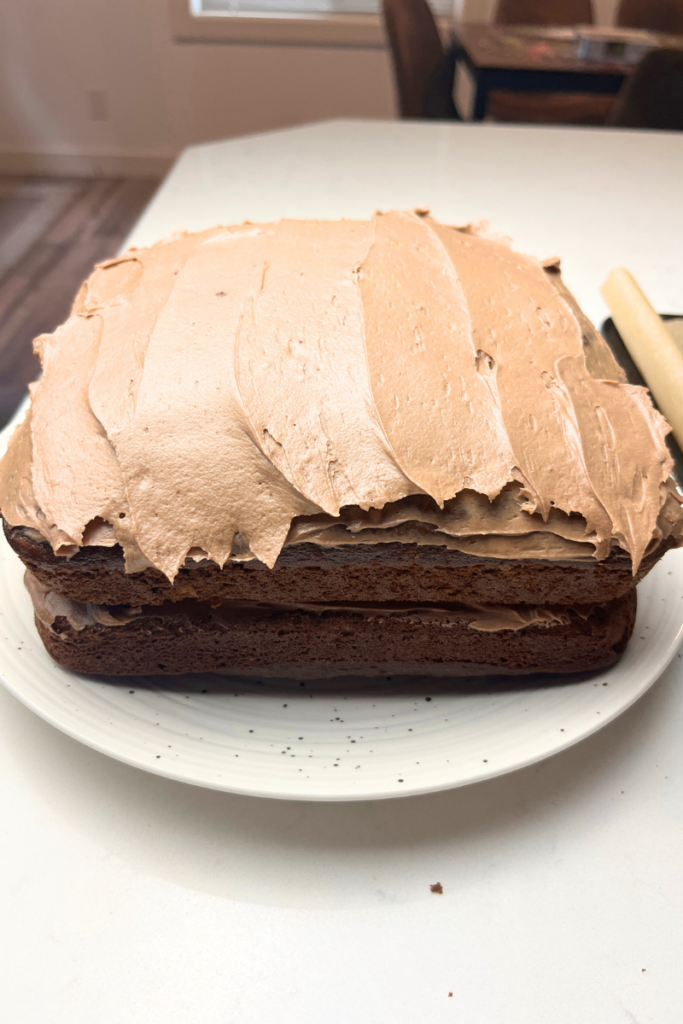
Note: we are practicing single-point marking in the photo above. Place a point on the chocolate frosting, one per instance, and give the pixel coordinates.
(224, 393)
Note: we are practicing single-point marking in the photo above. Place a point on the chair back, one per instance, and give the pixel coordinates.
(653, 95)
(656, 15)
(423, 72)
(544, 12)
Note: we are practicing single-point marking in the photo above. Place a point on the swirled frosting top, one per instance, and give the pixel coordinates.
(223, 393)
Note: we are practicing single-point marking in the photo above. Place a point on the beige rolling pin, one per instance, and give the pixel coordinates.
(649, 343)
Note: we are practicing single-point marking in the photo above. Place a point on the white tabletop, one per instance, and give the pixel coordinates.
(130, 898)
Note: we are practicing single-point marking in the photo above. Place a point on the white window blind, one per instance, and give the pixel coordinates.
(275, 8)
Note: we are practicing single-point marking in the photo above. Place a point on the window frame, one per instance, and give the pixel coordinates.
(354, 30)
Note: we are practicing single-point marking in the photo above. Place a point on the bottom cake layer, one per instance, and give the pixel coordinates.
(326, 641)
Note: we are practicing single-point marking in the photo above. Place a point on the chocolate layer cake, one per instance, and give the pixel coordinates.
(317, 448)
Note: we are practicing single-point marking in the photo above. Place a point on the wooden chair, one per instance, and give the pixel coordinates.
(656, 15)
(653, 95)
(544, 12)
(422, 69)
(547, 108)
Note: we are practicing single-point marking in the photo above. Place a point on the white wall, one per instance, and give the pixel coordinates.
(160, 96)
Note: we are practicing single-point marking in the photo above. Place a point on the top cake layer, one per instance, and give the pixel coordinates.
(210, 391)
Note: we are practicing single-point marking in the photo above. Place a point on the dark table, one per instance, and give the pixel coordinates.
(534, 59)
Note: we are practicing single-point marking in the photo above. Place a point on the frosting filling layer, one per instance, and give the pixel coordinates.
(50, 606)
(226, 393)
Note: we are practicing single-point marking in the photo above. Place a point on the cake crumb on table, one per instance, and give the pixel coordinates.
(437, 888)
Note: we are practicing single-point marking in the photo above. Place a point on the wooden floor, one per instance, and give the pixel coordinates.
(52, 231)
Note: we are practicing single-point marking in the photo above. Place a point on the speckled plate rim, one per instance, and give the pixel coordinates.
(638, 670)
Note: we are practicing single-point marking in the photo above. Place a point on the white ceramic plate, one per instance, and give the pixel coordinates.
(345, 740)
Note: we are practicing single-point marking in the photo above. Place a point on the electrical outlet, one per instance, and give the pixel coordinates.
(98, 105)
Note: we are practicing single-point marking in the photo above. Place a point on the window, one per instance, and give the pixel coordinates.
(280, 8)
(312, 22)
(275, 8)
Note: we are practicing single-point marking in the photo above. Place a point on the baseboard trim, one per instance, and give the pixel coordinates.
(87, 165)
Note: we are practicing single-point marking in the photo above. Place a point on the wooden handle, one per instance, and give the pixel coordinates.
(651, 346)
